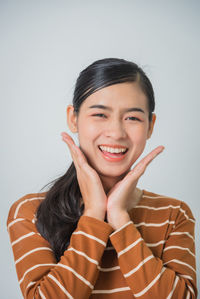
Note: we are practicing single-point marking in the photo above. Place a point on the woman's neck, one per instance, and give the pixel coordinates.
(109, 182)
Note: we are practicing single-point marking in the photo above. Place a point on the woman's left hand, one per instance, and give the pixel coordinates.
(120, 195)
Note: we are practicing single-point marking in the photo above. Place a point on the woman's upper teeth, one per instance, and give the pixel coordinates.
(112, 149)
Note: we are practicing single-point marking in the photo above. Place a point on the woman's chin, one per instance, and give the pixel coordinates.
(112, 173)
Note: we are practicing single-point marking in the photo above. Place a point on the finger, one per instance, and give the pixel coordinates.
(75, 149)
(71, 149)
(154, 153)
(68, 138)
(140, 168)
(77, 155)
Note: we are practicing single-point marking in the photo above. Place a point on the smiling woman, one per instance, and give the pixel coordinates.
(94, 234)
(124, 123)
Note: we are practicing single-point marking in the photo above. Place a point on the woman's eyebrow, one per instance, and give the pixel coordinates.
(124, 110)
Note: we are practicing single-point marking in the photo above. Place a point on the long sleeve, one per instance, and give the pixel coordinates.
(39, 275)
(173, 275)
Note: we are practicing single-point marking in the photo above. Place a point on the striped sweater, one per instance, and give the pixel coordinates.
(151, 256)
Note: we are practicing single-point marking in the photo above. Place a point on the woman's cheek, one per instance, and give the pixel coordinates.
(138, 143)
(138, 134)
(87, 137)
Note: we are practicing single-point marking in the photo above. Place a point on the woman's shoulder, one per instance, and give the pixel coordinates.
(160, 201)
(25, 206)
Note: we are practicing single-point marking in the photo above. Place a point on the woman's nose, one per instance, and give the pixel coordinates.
(115, 130)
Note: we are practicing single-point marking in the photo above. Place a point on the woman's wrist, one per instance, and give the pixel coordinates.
(98, 214)
(118, 218)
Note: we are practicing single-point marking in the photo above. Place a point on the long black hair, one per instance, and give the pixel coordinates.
(58, 214)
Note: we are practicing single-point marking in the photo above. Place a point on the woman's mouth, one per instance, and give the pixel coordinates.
(113, 154)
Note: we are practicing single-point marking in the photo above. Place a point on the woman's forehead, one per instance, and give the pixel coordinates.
(123, 96)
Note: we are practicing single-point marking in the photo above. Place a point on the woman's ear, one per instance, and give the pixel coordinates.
(72, 119)
(151, 126)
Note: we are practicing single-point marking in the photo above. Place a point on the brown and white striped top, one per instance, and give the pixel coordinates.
(152, 256)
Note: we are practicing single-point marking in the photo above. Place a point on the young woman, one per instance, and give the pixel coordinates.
(94, 234)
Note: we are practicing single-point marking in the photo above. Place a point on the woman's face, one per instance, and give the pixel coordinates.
(114, 117)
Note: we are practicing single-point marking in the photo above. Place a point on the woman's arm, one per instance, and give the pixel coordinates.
(38, 273)
(172, 276)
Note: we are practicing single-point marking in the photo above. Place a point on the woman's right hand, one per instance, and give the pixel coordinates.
(93, 194)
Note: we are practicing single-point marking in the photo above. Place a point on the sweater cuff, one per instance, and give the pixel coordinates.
(96, 227)
(122, 227)
(123, 237)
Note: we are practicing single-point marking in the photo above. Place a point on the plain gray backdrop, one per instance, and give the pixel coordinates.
(44, 46)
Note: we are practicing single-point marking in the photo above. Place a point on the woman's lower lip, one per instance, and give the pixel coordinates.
(112, 157)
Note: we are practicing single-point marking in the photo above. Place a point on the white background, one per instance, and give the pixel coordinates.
(43, 47)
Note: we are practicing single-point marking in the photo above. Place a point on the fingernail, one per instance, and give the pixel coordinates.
(65, 139)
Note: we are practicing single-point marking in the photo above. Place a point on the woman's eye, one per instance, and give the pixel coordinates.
(99, 115)
(133, 118)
